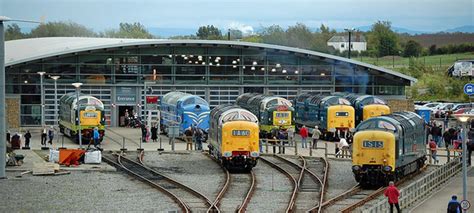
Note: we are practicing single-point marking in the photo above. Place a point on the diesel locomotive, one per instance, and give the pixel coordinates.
(331, 113)
(367, 106)
(234, 137)
(388, 147)
(91, 115)
(272, 111)
(183, 110)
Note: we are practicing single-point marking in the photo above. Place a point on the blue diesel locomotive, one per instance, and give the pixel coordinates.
(388, 147)
(367, 106)
(183, 110)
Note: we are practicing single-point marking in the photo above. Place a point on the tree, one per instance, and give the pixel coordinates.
(235, 34)
(412, 49)
(432, 50)
(209, 32)
(66, 29)
(129, 30)
(299, 36)
(13, 32)
(382, 39)
(274, 35)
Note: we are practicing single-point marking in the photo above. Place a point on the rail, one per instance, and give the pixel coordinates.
(291, 202)
(420, 189)
(245, 202)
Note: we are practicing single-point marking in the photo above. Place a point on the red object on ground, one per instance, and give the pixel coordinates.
(392, 193)
(70, 156)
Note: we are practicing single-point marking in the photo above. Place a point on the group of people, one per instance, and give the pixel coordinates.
(194, 135)
(152, 132)
(131, 119)
(452, 138)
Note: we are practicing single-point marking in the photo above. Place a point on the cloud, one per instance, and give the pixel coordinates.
(246, 29)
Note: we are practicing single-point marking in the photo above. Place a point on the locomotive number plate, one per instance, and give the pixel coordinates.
(373, 144)
(240, 132)
(90, 114)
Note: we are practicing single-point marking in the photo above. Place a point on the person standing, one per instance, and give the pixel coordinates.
(8, 136)
(304, 135)
(454, 206)
(447, 139)
(154, 133)
(433, 150)
(96, 137)
(282, 138)
(392, 194)
(315, 136)
(470, 145)
(44, 134)
(291, 135)
(144, 131)
(189, 138)
(199, 136)
(27, 138)
(51, 135)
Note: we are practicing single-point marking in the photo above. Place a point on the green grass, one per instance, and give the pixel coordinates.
(436, 61)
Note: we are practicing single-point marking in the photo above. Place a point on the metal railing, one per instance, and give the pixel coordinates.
(420, 189)
(279, 146)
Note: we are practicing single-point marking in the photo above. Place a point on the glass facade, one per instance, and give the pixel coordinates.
(218, 73)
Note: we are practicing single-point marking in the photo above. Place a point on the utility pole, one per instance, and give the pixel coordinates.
(350, 32)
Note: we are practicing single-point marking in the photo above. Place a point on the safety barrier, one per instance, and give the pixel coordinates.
(420, 189)
(281, 144)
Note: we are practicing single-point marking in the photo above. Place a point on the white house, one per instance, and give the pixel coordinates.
(341, 43)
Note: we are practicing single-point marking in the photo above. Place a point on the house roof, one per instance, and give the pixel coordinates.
(345, 38)
(26, 50)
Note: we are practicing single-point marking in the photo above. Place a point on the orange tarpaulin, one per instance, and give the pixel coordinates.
(70, 156)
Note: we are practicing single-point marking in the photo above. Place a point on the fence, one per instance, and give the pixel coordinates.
(421, 188)
(282, 144)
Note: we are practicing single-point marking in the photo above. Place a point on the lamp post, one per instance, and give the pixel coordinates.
(55, 78)
(42, 97)
(464, 118)
(79, 134)
(350, 32)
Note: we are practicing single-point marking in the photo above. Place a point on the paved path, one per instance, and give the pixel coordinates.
(438, 202)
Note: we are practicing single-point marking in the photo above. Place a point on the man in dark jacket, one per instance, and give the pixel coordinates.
(470, 145)
(454, 206)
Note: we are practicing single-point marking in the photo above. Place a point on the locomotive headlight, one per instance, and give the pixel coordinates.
(254, 154)
(227, 154)
(387, 168)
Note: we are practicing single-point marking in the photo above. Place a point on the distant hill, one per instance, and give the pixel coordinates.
(441, 39)
(396, 29)
(464, 29)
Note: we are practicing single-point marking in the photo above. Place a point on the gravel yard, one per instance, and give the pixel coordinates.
(340, 177)
(80, 191)
(193, 169)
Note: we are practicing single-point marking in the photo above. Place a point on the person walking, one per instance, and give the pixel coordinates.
(27, 138)
(447, 139)
(144, 131)
(51, 135)
(454, 206)
(470, 145)
(154, 133)
(304, 135)
(316, 134)
(96, 137)
(199, 137)
(433, 151)
(392, 194)
(44, 134)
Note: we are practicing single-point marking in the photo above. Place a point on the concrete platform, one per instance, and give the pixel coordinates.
(438, 202)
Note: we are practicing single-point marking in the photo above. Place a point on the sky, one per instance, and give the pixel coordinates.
(246, 15)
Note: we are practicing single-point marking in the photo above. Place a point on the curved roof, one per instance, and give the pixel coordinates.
(25, 50)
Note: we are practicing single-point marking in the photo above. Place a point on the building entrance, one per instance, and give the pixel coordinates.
(125, 115)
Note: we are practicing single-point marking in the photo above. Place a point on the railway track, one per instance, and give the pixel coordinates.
(188, 199)
(357, 196)
(236, 191)
(311, 188)
(295, 176)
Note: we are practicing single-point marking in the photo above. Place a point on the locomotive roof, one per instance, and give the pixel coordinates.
(172, 98)
(330, 100)
(229, 112)
(364, 99)
(84, 101)
(407, 120)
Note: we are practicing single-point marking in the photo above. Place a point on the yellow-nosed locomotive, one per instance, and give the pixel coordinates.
(367, 106)
(234, 137)
(387, 148)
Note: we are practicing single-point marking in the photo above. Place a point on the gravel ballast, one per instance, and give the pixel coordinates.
(80, 191)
